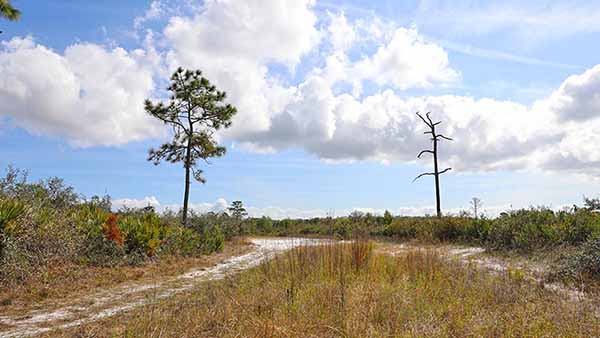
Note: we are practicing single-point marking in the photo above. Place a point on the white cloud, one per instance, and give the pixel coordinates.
(92, 95)
(342, 34)
(89, 95)
(233, 41)
(384, 127)
(407, 61)
(254, 30)
(578, 98)
(135, 203)
(219, 205)
(157, 8)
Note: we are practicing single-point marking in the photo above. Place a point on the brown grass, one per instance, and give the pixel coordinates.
(348, 291)
(68, 280)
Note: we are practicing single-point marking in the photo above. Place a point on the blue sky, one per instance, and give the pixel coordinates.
(326, 92)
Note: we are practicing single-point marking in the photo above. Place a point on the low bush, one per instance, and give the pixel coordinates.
(211, 239)
(180, 241)
(46, 223)
(581, 265)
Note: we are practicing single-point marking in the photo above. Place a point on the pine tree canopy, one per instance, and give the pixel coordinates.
(8, 12)
(195, 111)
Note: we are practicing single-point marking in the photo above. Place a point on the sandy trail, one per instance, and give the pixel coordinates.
(109, 302)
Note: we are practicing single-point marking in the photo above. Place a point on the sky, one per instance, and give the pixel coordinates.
(326, 93)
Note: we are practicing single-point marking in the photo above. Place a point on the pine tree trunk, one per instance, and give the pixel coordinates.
(186, 195)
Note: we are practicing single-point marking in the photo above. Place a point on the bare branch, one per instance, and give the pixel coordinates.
(444, 137)
(423, 152)
(444, 171)
(429, 118)
(423, 119)
(423, 174)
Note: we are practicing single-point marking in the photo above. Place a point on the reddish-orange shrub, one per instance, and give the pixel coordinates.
(111, 230)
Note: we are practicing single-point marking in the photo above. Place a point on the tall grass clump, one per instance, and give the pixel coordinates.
(346, 290)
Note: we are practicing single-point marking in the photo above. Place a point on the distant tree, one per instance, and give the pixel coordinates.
(265, 224)
(476, 204)
(592, 204)
(435, 137)
(196, 110)
(8, 12)
(237, 210)
(356, 215)
(387, 218)
(103, 202)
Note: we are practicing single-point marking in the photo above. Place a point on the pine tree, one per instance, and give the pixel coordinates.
(195, 111)
(8, 12)
(387, 218)
(237, 210)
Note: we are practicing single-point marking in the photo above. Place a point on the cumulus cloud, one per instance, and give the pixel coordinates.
(342, 34)
(89, 95)
(92, 95)
(148, 201)
(407, 61)
(578, 98)
(255, 30)
(234, 41)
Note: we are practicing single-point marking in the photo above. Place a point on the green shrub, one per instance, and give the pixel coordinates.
(579, 225)
(100, 251)
(342, 228)
(212, 239)
(402, 228)
(581, 265)
(181, 241)
(142, 234)
(59, 225)
(538, 228)
(10, 210)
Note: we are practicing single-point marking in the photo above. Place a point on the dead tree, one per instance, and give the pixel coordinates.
(435, 137)
(476, 206)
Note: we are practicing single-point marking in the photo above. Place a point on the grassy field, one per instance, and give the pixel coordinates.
(346, 290)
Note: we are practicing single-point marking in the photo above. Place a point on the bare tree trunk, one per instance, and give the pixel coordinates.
(186, 195)
(436, 172)
(437, 178)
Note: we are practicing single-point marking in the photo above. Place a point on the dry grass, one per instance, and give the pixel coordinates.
(346, 290)
(68, 280)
